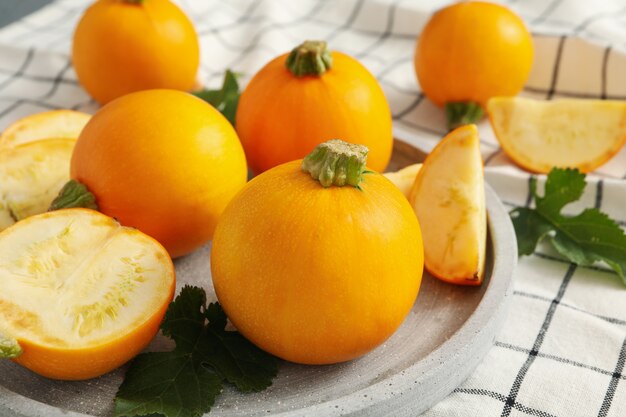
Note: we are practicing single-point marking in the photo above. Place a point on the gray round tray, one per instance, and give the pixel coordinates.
(445, 336)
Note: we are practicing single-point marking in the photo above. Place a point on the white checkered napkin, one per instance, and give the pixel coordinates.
(32, 81)
(580, 52)
(562, 350)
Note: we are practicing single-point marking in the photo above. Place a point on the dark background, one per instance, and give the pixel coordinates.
(12, 10)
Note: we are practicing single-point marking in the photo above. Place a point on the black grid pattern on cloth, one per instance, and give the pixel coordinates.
(410, 110)
(503, 398)
(532, 354)
(510, 402)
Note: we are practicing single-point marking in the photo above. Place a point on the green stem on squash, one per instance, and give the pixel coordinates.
(309, 58)
(133, 1)
(9, 348)
(74, 194)
(336, 162)
(463, 113)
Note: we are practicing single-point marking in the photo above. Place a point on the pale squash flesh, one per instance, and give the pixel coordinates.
(31, 176)
(566, 133)
(449, 199)
(50, 124)
(404, 178)
(77, 278)
(77, 286)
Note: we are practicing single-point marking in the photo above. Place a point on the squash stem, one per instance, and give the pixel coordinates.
(9, 348)
(309, 58)
(336, 162)
(463, 113)
(74, 194)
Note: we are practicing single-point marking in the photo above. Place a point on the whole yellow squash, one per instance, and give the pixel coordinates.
(318, 261)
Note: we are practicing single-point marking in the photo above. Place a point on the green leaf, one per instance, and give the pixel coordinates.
(169, 384)
(9, 348)
(583, 239)
(225, 99)
(216, 316)
(184, 319)
(563, 186)
(186, 381)
(530, 228)
(592, 236)
(242, 364)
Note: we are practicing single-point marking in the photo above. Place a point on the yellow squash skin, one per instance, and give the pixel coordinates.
(317, 275)
(282, 117)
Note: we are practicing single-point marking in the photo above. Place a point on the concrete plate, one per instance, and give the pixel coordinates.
(446, 335)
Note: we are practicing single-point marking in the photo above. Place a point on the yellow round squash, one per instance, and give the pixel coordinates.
(318, 261)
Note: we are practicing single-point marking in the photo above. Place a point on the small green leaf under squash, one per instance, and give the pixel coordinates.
(225, 99)
(186, 381)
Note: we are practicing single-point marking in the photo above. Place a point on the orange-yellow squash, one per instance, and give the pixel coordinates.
(300, 99)
(469, 52)
(313, 273)
(122, 46)
(164, 162)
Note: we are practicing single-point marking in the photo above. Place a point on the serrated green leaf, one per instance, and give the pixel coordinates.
(216, 316)
(242, 364)
(184, 319)
(239, 361)
(563, 186)
(591, 236)
(225, 99)
(530, 228)
(9, 348)
(186, 381)
(169, 384)
(583, 239)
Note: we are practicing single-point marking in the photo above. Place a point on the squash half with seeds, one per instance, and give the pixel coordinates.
(80, 295)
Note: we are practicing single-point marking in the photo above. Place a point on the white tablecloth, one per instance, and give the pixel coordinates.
(563, 347)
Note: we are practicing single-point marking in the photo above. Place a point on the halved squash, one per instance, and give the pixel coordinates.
(568, 133)
(31, 176)
(79, 294)
(48, 124)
